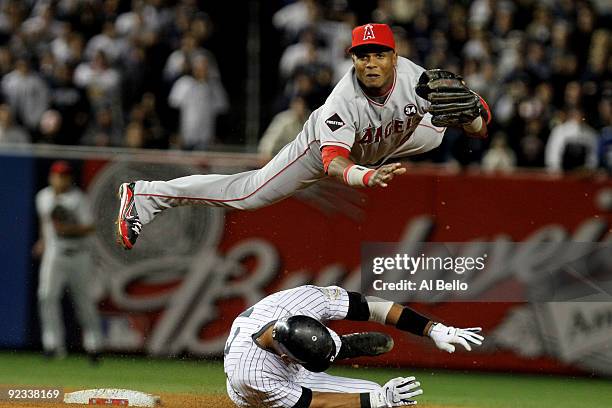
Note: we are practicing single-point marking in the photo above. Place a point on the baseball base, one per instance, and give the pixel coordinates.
(112, 396)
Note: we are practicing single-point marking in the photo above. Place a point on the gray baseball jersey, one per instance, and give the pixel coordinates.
(66, 262)
(373, 131)
(75, 203)
(256, 377)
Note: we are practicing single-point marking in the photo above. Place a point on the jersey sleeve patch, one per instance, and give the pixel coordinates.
(332, 293)
(334, 122)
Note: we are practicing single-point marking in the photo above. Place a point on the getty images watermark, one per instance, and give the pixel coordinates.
(488, 271)
(411, 264)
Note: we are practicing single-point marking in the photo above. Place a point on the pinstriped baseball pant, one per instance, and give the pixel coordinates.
(323, 382)
(319, 382)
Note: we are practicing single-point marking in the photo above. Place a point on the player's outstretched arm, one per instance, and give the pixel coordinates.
(359, 176)
(397, 392)
(443, 336)
(404, 318)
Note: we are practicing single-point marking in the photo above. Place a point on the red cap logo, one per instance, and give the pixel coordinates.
(368, 32)
(60, 167)
(373, 34)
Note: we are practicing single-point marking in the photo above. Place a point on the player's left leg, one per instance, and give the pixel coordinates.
(79, 281)
(323, 382)
(296, 166)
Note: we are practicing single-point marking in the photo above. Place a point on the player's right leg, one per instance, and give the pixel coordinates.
(79, 281)
(51, 283)
(294, 167)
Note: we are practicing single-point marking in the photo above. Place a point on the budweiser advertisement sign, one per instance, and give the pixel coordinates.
(195, 269)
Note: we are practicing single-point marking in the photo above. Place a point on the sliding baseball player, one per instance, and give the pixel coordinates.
(278, 349)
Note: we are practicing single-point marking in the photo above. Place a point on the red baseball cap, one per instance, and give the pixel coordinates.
(373, 34)
(60, 167)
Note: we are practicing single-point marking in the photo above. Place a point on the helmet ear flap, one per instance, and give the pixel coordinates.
(280, 330)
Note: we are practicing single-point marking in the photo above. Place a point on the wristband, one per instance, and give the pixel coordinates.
(329, 153)
(487, 110)
(364, 400)
(355, 175)
(475, 125)
(412, 322)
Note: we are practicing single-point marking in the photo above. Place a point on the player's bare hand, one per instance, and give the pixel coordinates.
(38, 249)
(385, 173)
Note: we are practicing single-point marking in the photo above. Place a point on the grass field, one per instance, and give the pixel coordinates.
(456, 389)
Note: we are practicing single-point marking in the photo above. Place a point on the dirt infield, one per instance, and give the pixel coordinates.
(168, 401)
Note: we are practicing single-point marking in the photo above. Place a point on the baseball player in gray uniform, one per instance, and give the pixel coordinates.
(385, 107)
(278, 349)
(65, 224)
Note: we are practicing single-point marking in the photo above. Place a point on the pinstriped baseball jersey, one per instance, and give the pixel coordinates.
(256, 377)
(370, 129)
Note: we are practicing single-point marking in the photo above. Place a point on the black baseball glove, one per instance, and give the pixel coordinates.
(62, 215)
(453, 104)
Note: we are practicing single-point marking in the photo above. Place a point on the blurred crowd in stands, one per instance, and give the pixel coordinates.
(137, 73)
(108, 73)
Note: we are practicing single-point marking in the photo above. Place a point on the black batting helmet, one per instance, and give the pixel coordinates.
(307, 341)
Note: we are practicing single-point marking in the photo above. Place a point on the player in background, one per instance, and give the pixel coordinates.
(278, 349)
(385, 107)
(65, 222)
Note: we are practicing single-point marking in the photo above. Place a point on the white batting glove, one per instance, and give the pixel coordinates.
(397, 392)
(445, 336)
